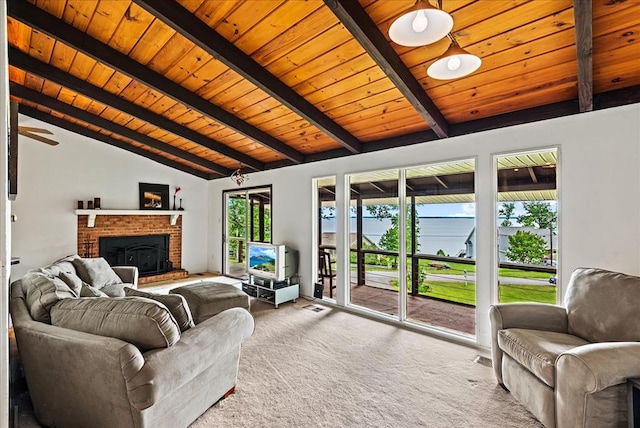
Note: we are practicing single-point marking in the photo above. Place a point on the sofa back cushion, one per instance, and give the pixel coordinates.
(142, 322)
(176, 304)
(602, 306)
(96, 272)
(42, 292)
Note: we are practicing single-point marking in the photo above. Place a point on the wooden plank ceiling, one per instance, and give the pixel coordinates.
(209, 86)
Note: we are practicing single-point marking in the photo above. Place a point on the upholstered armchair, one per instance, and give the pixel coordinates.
(568, 365)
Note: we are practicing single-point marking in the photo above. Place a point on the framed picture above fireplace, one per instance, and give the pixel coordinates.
(154, 196)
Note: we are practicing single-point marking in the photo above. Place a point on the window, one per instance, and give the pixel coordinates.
(527, 226)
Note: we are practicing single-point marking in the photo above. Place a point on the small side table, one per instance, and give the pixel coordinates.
(633, 398)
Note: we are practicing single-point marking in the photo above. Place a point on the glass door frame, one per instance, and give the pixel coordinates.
(247, 191)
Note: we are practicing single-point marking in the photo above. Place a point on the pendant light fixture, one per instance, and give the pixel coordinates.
(454, 63)
(423, 25)
(238, 177)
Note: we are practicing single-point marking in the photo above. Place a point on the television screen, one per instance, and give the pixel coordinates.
(263, 258)
(271, 261)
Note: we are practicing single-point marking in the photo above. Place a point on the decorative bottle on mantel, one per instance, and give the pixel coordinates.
(175, 192)
(180, 209)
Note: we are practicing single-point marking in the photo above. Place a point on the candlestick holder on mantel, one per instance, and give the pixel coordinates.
(88, 247)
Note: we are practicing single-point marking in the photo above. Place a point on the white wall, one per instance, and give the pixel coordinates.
(599, 207)
(52, 179)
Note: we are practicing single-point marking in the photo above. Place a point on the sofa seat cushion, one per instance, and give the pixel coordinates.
(176, 304)
(142, 322)
(537, 350)
(42, 292)
(96, 272)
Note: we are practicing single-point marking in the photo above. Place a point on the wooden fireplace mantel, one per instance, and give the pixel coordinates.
(91, 219)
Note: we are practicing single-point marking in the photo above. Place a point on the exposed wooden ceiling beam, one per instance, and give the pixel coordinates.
(24, 62)
(193, 29)
(583, 13)
(77, 129)
(366, 32)
(38, 98)
(67, 34)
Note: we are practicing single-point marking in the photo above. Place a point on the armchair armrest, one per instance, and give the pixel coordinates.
(166, 370)
(590, 369)
(534, 316)
(127, 274)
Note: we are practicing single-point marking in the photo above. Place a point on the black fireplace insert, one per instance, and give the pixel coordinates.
(150, 253)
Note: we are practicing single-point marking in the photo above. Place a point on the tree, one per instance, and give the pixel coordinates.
(526, 247)
(540, 215)
(389, 240)
(506, 210)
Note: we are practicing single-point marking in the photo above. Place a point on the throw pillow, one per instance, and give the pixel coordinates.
(63, 265)
(114, 290)
(73, 281)
(142, 322)
(96, 272)
(176, 304)
(42, 292)
(89, 291)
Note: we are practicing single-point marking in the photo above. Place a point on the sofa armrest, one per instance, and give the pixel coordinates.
(168, 369)
(534, 316)
(65, 367)
(589, 369)
(128, 274)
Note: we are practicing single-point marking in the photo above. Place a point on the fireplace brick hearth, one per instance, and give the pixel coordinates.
(133, 225)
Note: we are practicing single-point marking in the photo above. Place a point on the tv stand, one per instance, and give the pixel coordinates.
(271, 291)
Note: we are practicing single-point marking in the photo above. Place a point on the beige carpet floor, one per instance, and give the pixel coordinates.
(303, 368)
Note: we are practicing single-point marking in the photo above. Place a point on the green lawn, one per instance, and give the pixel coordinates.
(460, 268)
(461, 293)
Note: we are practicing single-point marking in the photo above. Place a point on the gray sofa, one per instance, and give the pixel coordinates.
(569, 364)
(125, 360)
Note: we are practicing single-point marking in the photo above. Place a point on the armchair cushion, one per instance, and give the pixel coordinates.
(96, 272)
(537, 350)
(602, 306)
(142, 322)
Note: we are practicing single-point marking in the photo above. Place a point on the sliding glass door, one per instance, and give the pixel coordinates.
(441, 245)
(247, 218)
(415, 260)
(374, 241)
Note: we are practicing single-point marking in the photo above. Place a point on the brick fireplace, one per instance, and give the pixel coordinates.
(117, 225)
